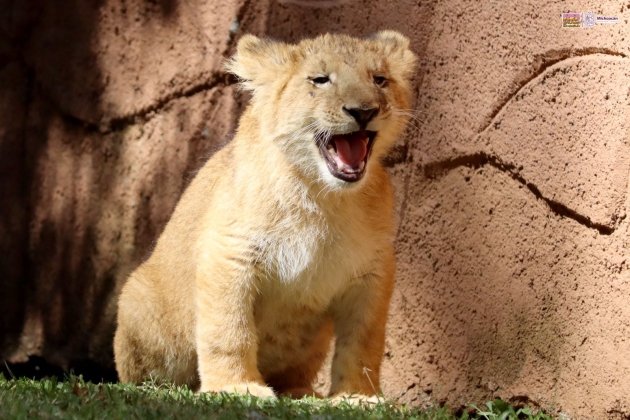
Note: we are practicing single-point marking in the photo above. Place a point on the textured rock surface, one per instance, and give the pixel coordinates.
(512, 183)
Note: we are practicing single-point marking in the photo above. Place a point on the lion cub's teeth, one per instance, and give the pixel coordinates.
(347, 168)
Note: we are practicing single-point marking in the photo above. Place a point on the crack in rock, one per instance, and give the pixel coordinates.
(116, 124)
(539, 65)
(217, 78)
(618, 413)
(434, 170)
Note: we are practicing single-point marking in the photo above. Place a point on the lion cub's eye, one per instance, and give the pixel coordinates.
(380, 81)
(322, 80)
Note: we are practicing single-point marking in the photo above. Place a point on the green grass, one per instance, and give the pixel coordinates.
(76, 399)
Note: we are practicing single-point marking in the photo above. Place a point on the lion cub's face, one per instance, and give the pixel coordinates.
(333, 103)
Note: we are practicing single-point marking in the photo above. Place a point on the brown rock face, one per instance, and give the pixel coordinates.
(512, 181)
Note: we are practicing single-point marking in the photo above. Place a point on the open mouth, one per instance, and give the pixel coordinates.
(346, 155)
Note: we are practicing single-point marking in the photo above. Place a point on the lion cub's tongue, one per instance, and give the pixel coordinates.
(352, 147)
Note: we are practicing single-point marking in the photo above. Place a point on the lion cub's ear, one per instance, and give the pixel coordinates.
(259, 62)
(396, 46)
(392, 38)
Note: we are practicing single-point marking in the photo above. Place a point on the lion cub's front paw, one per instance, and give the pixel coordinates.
(251, 388)
(355, 399)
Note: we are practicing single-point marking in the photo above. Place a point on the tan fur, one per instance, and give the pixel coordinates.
(267, 255)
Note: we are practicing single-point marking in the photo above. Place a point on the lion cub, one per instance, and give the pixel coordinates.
(284, 238)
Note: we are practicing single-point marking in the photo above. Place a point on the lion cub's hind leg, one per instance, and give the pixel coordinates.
(128, 359)
(145, 349)
(138, 361)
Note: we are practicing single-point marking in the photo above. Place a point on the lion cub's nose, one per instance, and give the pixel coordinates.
(361, 115)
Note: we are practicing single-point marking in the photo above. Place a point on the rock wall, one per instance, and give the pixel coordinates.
(512, 181)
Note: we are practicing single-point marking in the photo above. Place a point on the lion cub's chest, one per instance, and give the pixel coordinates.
(306, 268)
(318, 252)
